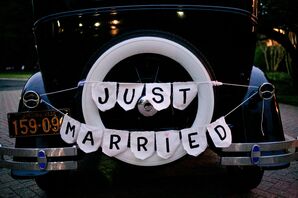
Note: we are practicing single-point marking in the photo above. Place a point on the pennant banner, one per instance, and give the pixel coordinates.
(89, 138)
(220, 133)
(114, 142)
(129, 94)
(159, 95)
(183, 94)
(166, 143)
(194, 141)
(69, 129)
(104, 95)
(144, 144)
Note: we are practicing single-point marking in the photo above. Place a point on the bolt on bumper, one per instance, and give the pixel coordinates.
(264, 154)
(45, 158)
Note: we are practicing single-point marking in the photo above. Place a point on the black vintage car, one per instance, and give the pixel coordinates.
(149, 84)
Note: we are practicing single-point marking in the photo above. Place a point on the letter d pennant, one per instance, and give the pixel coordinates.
(220, 133)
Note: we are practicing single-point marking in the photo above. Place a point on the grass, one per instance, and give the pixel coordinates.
(285, 91)
(17, 75)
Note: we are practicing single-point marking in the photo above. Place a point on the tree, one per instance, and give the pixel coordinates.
(16, 37)
(281, 14)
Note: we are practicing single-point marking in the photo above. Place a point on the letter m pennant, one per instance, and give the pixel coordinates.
(220, 133)
(69, 129)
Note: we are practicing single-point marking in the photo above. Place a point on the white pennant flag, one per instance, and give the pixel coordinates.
(166, 143)
(220, 133)
(114, 142)
(69, 129)
(129, 94)
(104, 95)
(142, 144)
(194, 141)
(159, 95)
(183, 94)
(89, 138)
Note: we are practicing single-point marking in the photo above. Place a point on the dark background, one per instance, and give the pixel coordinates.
(17, 41)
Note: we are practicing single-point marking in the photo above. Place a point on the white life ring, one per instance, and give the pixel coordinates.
(157, 45)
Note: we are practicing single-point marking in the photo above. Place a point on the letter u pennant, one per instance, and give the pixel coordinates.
(220, 133)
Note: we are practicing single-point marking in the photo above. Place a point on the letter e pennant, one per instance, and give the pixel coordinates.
(194, 141)
(220, 133)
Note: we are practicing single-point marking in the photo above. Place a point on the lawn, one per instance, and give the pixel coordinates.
(17, 75)
(285, 91)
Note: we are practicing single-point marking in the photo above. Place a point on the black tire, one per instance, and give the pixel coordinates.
(54, 182)
(245, 178)
(147, 58)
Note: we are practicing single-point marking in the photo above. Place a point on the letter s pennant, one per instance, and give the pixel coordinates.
(69, 129)
(220, 133)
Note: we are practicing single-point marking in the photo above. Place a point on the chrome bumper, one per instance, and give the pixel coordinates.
(265, 154)
(45, 158)
(247, 154)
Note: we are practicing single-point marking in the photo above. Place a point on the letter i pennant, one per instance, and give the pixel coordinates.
(220, 133)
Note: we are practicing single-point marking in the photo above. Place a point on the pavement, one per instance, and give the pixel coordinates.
(275, 183)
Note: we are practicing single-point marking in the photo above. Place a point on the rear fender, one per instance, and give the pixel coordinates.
(262, 120)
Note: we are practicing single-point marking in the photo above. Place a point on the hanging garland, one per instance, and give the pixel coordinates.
(144, 144)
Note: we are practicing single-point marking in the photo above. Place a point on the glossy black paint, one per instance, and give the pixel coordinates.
(70, 35)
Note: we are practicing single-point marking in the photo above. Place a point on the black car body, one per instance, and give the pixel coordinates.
(147, 42)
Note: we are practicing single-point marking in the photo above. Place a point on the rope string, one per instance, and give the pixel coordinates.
(241, 104)
(214, 83)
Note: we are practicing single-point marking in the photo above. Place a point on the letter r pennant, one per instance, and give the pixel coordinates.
(114, 142)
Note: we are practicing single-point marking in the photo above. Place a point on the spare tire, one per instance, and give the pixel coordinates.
(150, 58)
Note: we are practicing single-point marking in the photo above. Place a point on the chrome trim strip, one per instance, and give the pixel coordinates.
(265, 146)
(289, 147)
(33, 152)
(6, 162)
(66, 165)
(264, 160)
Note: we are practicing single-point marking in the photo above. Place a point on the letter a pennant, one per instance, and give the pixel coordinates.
(89, 138)
(114, 141)
(69, 129)
(220, 133)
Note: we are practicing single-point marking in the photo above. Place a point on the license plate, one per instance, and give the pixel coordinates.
(37, 123)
